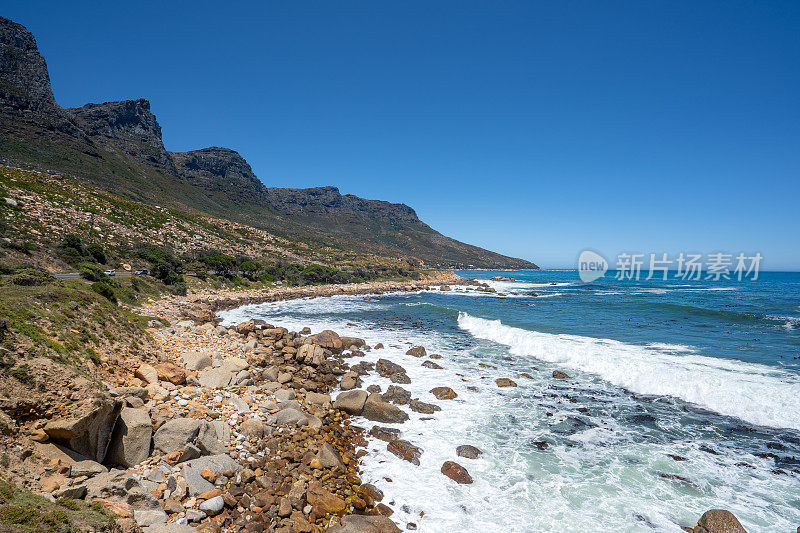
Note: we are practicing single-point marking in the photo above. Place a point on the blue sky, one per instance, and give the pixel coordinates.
(534, 129)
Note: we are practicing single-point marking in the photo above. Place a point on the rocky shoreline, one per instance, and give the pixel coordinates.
(235, 428)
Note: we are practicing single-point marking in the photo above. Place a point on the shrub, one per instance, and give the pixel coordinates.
(105, 290)
(28, 277)
(95, 251)
(91, 272)
(163, 265)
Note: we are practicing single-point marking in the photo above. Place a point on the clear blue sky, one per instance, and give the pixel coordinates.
(535, 129)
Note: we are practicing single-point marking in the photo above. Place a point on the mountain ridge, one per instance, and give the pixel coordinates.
(117, 146)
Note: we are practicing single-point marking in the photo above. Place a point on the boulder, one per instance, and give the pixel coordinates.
(444, 393)
(147, 373)
(329, 457)
(121, 487)
(175, 434)
(316, 398)
(558, 374)
(192, 471)
(212, 506)
(350, 381)
(350, 342)
(432, 365)
(405, 450)
(417, 351)
(422, 407)
(130, 442)
(502, 278)
(327, 339)
(252, 429)
(386, 368)
(396, 395)
(456, 472)
(470, 452)
(323, 501)
(351, 402)
(719, 521)
(289, 417)
(196, 360)
(505, 382)
(88, 430)
(209, 436)
(356, 523)
(311, 354)
(385, 434)
(172, 373)
(284, 395)
(379, 411)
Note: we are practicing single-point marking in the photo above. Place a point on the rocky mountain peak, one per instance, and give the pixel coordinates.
(23, 71)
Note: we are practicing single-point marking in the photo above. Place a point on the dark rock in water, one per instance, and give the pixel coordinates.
(435, 356)
(431, 364)
(392, 371)
(456, 472)
(571, 425)
(502, 278)
(417, 351)
(532, 294)
(468, 451)
(385, 434)
(644, 419)
(558, 374)
(676, 457)
(374, 388)
(505, 382)
(541, 444)
(397, 395)
(719, 521)
(405, 450)
(422, 407)
(371, 494)
(704, 448)
(526, 375)
(357, 523)
(444, 393)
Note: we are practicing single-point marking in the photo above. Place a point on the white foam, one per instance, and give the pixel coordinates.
(754, 393)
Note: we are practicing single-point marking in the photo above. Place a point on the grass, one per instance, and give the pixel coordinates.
(23, 511)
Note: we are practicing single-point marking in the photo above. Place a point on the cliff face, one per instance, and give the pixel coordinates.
(118, 146)
(23, 71)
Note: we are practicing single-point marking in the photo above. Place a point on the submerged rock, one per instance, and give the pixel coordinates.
(405, 450)
(417, 351)
(505, 382)
(385, 434)
(470, 452)
(558, 374)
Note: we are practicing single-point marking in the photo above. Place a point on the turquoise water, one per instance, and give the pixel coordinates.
(683, 396)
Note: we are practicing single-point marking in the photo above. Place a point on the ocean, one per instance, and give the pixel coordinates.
(683, 396)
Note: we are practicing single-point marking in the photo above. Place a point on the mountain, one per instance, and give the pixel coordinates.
(117, 146)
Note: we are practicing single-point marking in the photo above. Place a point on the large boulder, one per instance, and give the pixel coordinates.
(88, 430)
(289, 417)
(172, 373)
(120, 486)
(130, 442)
(351, 402)
(350, 342)
(468, 451)
(391, 370)
(356, 523)
(327, 339)
(175, 434)
(224, 375)
(379, 411)
(196, 360)
(719, 521)
(311, 354)
(192, 471)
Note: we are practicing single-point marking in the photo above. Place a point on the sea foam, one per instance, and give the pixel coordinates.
(754, 393)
